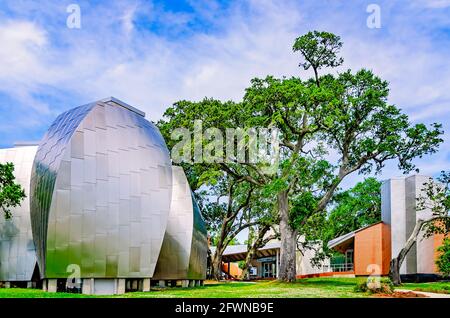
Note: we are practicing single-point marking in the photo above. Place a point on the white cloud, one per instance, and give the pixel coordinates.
(111, 55)
(434, 4)
(22, 68)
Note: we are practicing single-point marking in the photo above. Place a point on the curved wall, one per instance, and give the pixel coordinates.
(184, 250)
(100, 193)
(17, 252)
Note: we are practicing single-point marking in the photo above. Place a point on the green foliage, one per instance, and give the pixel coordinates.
(319, 49)
(350, 210)
(344, 116)
(443, 261)
(11, 193)
(436, 198)
(355, 208)
(375, 285)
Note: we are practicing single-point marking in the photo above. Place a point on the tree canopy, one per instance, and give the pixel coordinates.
(329, 126)
(11, 193)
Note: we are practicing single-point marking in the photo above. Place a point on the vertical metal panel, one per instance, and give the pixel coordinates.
(184, 251)
(105, 147)
(17, 252)
(199, 247)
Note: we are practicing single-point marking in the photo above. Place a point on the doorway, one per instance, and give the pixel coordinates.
(269, 269)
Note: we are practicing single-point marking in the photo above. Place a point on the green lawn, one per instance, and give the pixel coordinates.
(305, 288)
(439, 287)
(314, 287)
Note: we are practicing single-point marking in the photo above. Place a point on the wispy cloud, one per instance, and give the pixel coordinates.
(150, 54)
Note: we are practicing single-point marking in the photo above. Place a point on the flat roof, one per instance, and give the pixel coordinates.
(234, 253)
(343, 238)
(26, 143)
(122, 104)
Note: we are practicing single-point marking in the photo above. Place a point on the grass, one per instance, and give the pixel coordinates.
(35, 293)
(438, 287)
(306, 288)
(310, 288)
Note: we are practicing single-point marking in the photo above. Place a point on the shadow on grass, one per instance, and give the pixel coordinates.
(335, 282)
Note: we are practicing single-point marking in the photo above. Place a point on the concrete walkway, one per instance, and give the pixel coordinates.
(430, 295)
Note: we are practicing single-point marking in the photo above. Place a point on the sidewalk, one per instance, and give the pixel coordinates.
(430, 295)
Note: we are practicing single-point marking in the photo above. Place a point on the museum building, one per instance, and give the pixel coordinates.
(106, 212)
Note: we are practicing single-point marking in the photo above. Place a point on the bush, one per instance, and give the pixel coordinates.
(375, 285)
(443, 261)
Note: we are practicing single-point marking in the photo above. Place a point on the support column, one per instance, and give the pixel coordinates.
(277, 267)
(52, 285)
(29, 284)
(162, 283)
(88, 286)
(185, 283)
(198, 283)
(146, 285)
(7, 285)
(121, 286)
(191, 283)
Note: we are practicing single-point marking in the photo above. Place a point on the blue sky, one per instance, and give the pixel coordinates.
(152, 53)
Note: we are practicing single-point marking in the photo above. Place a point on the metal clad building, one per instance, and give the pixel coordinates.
(399, 204)
(184, 250)
(100, 193)
(17, 252)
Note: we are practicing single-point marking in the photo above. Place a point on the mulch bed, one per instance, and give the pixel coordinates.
(401, 295)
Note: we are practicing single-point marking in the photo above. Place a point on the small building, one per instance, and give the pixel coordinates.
(369, 250)
(266, 261)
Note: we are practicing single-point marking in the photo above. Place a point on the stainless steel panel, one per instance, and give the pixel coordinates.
(102, 145)
(184, 251)
(17, 251)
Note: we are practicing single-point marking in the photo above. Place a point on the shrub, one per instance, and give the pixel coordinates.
(443, 261)
(375, 285)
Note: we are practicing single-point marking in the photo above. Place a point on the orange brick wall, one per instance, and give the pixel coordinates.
(372, 250)
(387, 252)
(437, 241)
(235, 271)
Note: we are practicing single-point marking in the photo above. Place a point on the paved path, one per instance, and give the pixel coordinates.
(430, 295)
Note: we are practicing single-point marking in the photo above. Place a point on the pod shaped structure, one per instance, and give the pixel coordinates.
(184, 250)
(17, 252)
(100, 193)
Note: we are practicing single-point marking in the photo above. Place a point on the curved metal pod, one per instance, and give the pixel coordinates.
(100, 193)
(184, 251)
(17, 252)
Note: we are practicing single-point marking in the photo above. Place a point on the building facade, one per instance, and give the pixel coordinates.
(184, 250)
(266, 262)
(399, 211)
(100, 197)
(17, 251)
(368, 251)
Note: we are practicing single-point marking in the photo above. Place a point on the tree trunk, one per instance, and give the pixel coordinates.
(288, 241)
(258, 243)
(248, 259)
(396, 263)
(217, 266)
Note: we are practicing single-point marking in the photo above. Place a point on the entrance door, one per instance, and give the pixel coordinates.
(268, 269)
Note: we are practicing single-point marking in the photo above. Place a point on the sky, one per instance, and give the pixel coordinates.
(151, 54)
